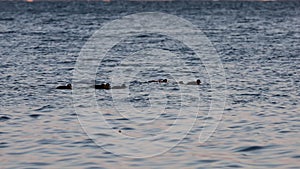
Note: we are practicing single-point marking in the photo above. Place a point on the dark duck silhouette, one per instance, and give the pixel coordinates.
(103, 86)
(68, 87)
(159, 81)
(197, 82)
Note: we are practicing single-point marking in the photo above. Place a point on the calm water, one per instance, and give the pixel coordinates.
(258, 44)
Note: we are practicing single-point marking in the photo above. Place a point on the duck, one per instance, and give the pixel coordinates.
(119, 87)
(197, 82)
(159, 81)
(163, 81)
(68, 86)
(103, 86)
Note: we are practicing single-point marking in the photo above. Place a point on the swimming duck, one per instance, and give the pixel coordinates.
(197, 82)
(159, 81)
(68, 86)
(119, 87)
(163, 81)
(103, 86)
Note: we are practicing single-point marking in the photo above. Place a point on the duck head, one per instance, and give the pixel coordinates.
(69, 86)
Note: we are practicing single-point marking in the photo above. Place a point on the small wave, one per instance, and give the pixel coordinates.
(3, 145)
(250, 94)
(122, 119)
(127, 128)
(103, 135)
(35, 116)
(7, 32)
(4, 118)
(249, 148)
(7, 19)
(38, 164)
(47, 108)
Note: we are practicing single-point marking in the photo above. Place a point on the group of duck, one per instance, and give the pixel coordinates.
(107, 86)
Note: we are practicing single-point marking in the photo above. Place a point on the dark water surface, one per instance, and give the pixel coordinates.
(258, 44)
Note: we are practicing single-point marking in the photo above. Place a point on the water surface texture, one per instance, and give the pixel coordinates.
(258, 44)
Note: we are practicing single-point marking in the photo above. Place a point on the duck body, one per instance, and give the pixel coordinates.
(159, 81)
(105, 86)
(197, 82)
(67, 87)
(151, 81)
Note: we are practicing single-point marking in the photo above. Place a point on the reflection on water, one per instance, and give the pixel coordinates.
(258, 44)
